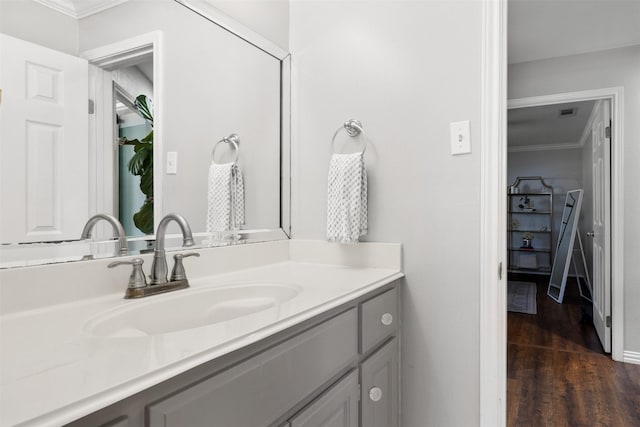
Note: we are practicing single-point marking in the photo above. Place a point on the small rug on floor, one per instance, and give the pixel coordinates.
(521, 297)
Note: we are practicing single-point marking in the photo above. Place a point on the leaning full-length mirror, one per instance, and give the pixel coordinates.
(564, 248)
(83, 95)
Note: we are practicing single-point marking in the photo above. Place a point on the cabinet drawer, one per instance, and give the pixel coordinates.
(258, 391)
(380, 387)
(379, 319)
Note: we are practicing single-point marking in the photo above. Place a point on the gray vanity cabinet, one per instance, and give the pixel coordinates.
(260, 390)
(338, 369)
(337, 407)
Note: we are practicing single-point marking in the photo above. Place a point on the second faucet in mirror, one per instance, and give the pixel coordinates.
(117, 228)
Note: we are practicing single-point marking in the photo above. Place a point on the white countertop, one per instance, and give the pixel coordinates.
(53, 372)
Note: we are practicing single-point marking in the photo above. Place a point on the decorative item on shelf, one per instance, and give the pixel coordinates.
(526, 204)
(527, 239)
(515, 224)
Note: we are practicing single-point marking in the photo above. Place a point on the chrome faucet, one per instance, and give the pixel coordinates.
(159, 268)
(117, 228)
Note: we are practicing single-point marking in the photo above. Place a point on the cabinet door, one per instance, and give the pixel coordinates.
(337, 407)
(380, 387)
(120, 422)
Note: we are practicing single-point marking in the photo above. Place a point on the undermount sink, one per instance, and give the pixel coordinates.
(189, 309)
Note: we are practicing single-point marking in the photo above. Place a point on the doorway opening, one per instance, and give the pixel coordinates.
(133, 91)
(539, 145)
(607, 113)
(552, 150)
(119, 73)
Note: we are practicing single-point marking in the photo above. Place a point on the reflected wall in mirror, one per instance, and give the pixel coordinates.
(564, 248)
(205, 80)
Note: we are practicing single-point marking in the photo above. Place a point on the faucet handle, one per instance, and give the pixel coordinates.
(178, 272)
(137, 279)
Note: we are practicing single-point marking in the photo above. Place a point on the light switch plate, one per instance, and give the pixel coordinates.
(172, 162)
(460, 138)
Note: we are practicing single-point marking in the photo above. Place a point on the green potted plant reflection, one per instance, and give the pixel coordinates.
(141, 164)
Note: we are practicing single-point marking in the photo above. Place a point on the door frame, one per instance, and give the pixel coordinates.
(493, 218)
(493, 215)
(109, 57)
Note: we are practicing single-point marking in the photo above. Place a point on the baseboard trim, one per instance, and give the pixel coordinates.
(631, 357)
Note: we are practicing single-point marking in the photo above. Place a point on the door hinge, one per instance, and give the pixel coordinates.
(607, 321)
(91, 106)
(500, 270)
(607, 132)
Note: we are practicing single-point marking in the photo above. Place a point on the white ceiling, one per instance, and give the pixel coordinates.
(539, 29)
(538, 128)
(79, 9)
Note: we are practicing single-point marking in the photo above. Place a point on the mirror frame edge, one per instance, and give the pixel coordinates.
(285, 145)
(216, 17)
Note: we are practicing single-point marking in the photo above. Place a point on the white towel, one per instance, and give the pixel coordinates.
(226, 190)
(347, 198)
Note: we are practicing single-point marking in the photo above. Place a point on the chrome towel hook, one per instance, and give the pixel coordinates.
(232, 139)
(353, 128)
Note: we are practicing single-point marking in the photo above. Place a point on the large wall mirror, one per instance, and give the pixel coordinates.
(71, 91)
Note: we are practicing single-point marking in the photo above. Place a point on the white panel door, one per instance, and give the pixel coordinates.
(43, 143)
(602, 224)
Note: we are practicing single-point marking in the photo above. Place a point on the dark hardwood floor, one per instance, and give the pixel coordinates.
(557, 372)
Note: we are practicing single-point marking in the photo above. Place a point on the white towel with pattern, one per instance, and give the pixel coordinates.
(347, 198)
(225, 197)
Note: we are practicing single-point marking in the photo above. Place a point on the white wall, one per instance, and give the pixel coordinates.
(616, 67)
(541, 29)
(406, 69)
(269, 18)
(33, 22)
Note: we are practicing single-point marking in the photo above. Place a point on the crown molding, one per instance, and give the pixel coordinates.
(547, 147)
(79, 9)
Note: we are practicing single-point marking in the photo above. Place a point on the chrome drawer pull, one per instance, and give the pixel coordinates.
(375, 394)
(386, 319)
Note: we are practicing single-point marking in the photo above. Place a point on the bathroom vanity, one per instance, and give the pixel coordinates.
(326, 348)
(317, 370)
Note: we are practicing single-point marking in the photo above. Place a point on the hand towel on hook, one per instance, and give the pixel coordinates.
(225, 208)
(347, 198)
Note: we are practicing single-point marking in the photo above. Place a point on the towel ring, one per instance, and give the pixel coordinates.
(232, 139)
(353, 128)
